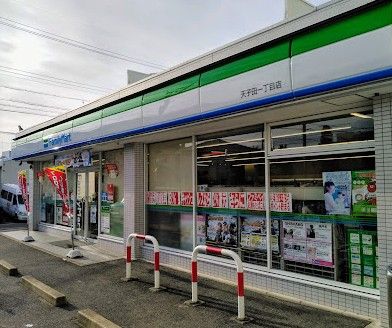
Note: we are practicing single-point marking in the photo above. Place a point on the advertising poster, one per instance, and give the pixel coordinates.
(281, 202)
(220, 200)
(204, 199)
(201, 230)
(254, 233)
(173, 198)
(308, 242)
(58, 179)
(77, 159)
(156, 198)
(364, 197)
(222, 229)
(105, 222)
(237, 200)
(337, 192)
(255, 201)
(186, 198)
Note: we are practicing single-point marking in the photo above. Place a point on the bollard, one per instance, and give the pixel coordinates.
(128, 268)
(240, 277)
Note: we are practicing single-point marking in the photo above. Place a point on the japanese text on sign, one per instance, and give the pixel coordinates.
(265, 88)
(255, 201)
(173, 198)
(204, 199)
(156, 198)
(220, 200)
(187, 198)
(237, 200)
(281, 202)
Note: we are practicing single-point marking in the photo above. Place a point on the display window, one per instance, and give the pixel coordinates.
(112, 193)
(331, 229)
(48, 196)
(169, 198)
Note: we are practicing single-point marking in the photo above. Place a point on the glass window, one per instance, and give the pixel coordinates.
(231, 190)
(330, 225)
(15, 202)
(20, 200)
(357, 127)
(169, 196)
(10, 196)
(48, 196)
(4, 194)
(112, 195)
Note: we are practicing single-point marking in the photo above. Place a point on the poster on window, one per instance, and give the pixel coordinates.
(201, 230)
(156, 198)
(364, 197)
(337, 192)
(173, 198)
(77, 159)
(222, 229)
(204, 199)
(309, 242)
(237, 200)
(220, 200)
(105, 222)
(281, 202)
(186, 198)
(255, 201)
(254, 233)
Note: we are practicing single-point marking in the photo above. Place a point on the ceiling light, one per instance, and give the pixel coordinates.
(360, 115)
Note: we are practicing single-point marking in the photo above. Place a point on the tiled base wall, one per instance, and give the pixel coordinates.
(322, 296)
(55, 231)
(112, 247)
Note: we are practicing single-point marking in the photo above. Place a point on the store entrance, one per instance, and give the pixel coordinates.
(86, 203)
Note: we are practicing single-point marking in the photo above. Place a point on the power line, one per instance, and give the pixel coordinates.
(33, 104)
(40, 93)
(36, 109)
(7, 132)
(54, 83)
(24, 112)
(51, 78)
(77, 44)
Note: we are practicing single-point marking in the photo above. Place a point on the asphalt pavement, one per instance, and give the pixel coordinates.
(131, 304)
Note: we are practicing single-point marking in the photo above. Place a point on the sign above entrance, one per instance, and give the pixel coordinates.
(77, 159)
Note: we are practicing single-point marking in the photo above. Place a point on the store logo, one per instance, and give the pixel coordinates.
(57, 140)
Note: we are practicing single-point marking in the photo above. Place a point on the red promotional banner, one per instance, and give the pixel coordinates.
(22, 181)
(204, 199)
(58, 178)
(237, 200)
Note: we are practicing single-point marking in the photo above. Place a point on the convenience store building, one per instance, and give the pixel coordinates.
(277, 146)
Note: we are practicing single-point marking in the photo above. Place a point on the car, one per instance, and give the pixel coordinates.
(11, 202)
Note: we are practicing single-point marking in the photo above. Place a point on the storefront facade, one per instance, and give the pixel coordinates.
(278, 146)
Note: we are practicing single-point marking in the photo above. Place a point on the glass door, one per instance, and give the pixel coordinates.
(86, 208)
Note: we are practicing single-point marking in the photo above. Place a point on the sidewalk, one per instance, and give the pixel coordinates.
(131, 304)
(59, 247)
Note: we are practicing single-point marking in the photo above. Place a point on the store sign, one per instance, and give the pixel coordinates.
(237, 200)
(281, 202)
(220, 200)
(204, 199)
(186, 198)
(173, 198)
(156, 198)
(255, 201)
(22, 181)
(57, 141)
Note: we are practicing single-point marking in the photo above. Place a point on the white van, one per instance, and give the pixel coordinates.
(11, 201)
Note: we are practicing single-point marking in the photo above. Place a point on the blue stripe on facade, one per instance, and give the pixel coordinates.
(308, 91)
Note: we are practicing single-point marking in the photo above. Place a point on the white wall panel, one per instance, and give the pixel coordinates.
(124, 121)
(360, 54)
(86, 132)
(184, 104)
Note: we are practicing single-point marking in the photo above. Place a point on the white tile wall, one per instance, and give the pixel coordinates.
(382, 107)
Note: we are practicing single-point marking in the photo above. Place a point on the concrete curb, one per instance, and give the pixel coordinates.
(90, 319)
(47, 293)
(8, 268)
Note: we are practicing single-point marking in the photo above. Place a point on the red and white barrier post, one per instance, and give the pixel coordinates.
(157, 284)
(240, 275)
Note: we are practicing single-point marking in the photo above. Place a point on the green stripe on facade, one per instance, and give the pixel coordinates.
(122, 107)
(257, 60)
(87, 118)
(58, 128)
(34, 136)
(172, 90)
(362, 22)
